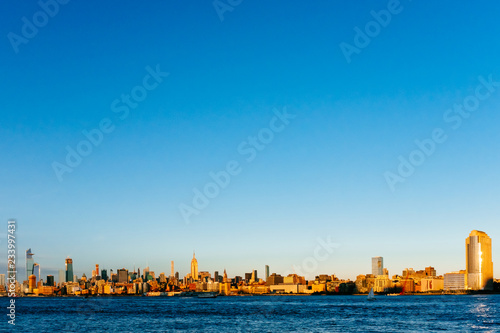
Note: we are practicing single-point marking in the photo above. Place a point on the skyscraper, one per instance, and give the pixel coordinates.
(377, 266)
(478, 263)
(254, 276)
(194, 268)
(50, 280)
(104, 274)
(122, 275)
(172, 272)
(69, 270)
(30, 262)
(267, 272)
(2, 280)
(62, 277)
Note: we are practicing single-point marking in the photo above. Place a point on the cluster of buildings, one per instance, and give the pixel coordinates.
(477, 275)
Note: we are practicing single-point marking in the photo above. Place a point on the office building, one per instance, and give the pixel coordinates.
(61, 277)
(454, 280)
(274, 279)
(122, 275)
(50, 281)
(2, 280)
(30, 262)
(377, 266)
(478, 261)
(172, 272)
(267, 272)
(194, 268)
(104, 274)
(69, 270)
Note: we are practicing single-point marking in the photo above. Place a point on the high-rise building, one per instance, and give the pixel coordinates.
(478, 261)
(194, 268)
(30, 262)
(62, 277)
(37, 271)
(2, 280)
(267, 272)
(104, 274)
(50, 280)
(377, 266)
(172, 272)
(69, 270)
(254, 276)
(122, 275)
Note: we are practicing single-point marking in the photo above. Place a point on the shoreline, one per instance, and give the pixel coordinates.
(467, 293)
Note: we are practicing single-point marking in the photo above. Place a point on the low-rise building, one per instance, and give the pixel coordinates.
(454, 280)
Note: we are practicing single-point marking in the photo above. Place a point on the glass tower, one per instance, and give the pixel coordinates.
(377, 266)
(478, 264)
(69, 270)
(30, 263)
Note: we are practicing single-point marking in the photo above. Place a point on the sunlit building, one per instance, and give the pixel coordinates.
(478, 261)
(454, 280)
(194, 268)
(377, 266)
(431, 283)
(69, 270)
(122, 275)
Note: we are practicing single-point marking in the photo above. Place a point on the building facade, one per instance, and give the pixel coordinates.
(454, 280)
(194, 268)
(69, 270)
(377, 266)
(30, 263)
(478, 262)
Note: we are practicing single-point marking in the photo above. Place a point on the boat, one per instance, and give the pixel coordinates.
(371, 296)
(207, 295)
(393, 294)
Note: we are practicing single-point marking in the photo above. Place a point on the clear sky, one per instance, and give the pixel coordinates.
(321, 174)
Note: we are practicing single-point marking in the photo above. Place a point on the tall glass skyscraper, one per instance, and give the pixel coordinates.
(377, 266)
(478, 264)
(30, 263)
(69, 270)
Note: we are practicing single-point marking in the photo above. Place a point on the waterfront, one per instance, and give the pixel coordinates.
(258, 314)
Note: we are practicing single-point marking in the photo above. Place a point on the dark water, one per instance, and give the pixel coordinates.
(257, 314)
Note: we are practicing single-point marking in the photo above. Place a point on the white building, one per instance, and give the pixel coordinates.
(454, 281)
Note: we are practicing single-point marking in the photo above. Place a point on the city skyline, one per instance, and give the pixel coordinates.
(191, 129)
(481, 249)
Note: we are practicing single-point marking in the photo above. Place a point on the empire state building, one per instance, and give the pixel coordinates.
(194, 268)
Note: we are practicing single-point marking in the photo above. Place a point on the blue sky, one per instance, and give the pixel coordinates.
(321, 176)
